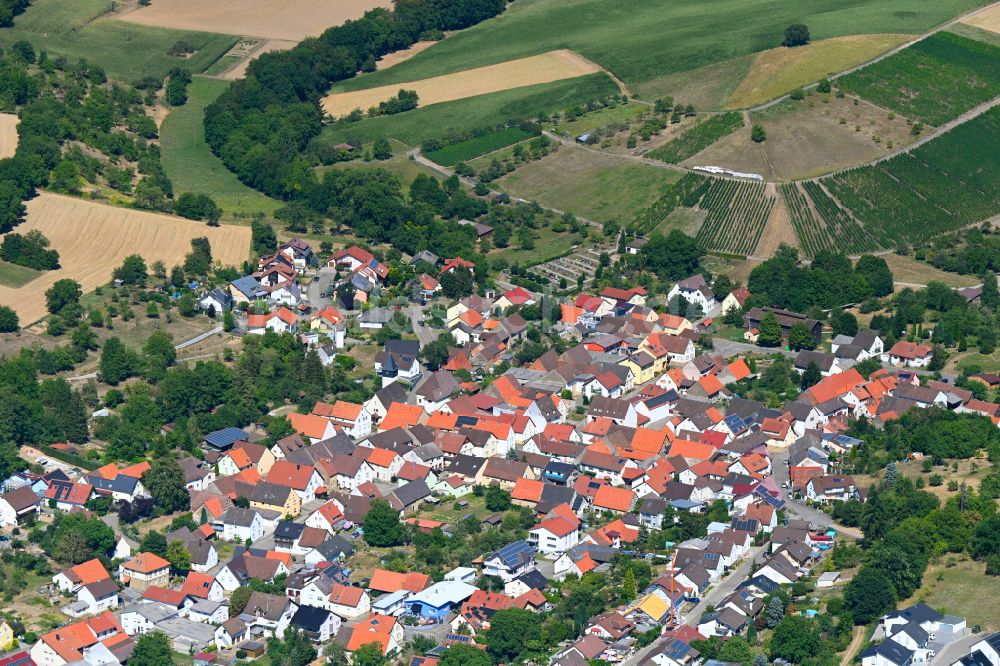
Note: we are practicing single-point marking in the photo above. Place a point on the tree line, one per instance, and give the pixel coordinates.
(262, 126)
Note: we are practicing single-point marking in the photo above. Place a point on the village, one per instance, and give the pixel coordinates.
(627, 457)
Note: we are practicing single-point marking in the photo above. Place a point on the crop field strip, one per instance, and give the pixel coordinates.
(463, 151)
(698, 138)
(691, 184)
(813, 234)
(737, 214)
(946, 184)
(848, 235)
(935, 80)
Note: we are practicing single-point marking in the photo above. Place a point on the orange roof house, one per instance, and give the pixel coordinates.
(291, 475)
(387, 581)
(86, 573)
(400, 415)
(69, 642)
(145, 563)
(309, 425)
(614, 499)
(527, 490)
(197, 585)
(689, 450)
(376, 629)
(835, 386)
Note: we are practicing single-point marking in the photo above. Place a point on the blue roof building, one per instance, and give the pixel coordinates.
(224, 439)
(438, 600)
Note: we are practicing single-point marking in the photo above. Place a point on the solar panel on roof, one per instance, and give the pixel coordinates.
(466, 420)
(512, 553)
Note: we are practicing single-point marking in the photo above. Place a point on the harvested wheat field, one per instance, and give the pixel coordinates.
(93, 238)
(544, 68)
(778, 71)
(276, 19)
(987, 19)
(8, 134)
(396, 57)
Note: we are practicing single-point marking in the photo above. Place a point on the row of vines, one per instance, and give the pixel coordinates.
(698, 138)
(737, 214)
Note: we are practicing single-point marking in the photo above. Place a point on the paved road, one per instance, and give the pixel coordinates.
(717, 593)
(316, 289)
(424, 334)
(779, 470)
(198, 338)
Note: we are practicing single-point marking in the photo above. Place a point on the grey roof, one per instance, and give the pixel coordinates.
(514, 555)
(918, 612)
(409, 494)
(239, 516)
(335, 547)
(891, 651)
(310, 618)
(225, 438)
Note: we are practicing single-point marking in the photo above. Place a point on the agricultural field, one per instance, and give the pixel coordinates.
(708, 88)
(737, 214)
(652, 217)
(775, 72)
(595, 186)
(646, 40)
(838, 134)
(93, 239)
(934, 81)
(544, 68)
(8, 134)
(291, 20)
(190, 163)
(84, 29)
(620, 114)
(698, 138)
(955, 586)
(463, 151)
(988, 19)
(946, 184)
(473, 113)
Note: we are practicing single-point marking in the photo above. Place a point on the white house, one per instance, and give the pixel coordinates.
(694, 290)
(554, 535)
(240, 524)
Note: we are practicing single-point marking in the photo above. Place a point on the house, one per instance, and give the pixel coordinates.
(555, 534)
(984, 653)
(831, 488)
(17, 505)
(280, 321)
(399, 360)
(97, 641)
(349, 602)
(353, 418)
(387, 582)
(615, 500)
(887, 653)
(319, 624)
(93, 598)
(386, 631)
(438, 600)
(268, 614)
(909, 354)
(216, 301)
(304, 479)
(828, 364)
(509, 562)
(230, 632)
(737, 298)
(786, 320)
(694, 290)
(144, 570)
(239, 524)
(378, 405)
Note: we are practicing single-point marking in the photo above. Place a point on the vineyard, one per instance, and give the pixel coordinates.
(935, 80)
(737, 215)
(947, 184)
(648, 219)
(698, 138)
(824, 225)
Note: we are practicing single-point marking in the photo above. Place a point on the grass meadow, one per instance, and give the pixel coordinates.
(12, 275)
(463, 151)
(190, 163)
(79, 29)
(643, 40)
(439, 120)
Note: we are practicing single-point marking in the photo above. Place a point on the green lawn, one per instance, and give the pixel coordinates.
(463, 151)
(12, 275)
(548, 246)
(643, 40)
(438, 120)
(622, 113)
(399, 165)
(596, 186)
(959, 591)
(190, 164)
(77, 29)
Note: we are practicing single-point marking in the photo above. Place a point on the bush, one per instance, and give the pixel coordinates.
(29, 250)
(796, 34)
(758, 134)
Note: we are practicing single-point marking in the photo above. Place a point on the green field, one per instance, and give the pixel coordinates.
(644, 40)
(477, 146)
(190, 163)
(935, 80)
(548, 246)
(77, 29)
(824, 226)
(595, 186)
(698, 138)
(399, 165)
(588, 122)
(466, 115)
(12, 275)
(946, 184)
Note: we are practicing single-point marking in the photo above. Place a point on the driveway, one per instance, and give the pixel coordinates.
(779, 470)
(955, 651)
(317, 288)
(424, 334)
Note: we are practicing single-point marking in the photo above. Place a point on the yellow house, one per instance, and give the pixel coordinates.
(654, 606)
(276, 497)
(454, 312)
(643, 366)
(6, 636)
(675, 324)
